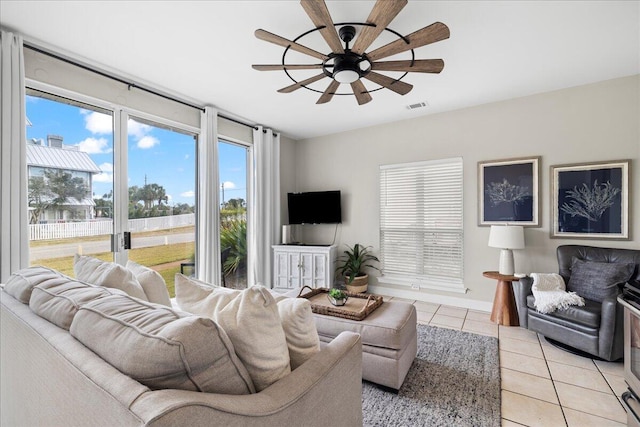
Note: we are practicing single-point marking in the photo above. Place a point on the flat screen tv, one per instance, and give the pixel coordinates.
(315, 207)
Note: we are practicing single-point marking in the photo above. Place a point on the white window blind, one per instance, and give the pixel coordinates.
(421, 231)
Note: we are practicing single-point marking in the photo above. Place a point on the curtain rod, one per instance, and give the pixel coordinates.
(132, 85)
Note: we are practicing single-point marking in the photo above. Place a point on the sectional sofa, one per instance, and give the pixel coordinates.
(57, 366)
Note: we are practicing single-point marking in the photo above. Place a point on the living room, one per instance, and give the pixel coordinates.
(588, 114)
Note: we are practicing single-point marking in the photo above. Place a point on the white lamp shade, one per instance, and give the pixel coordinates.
(506, 237)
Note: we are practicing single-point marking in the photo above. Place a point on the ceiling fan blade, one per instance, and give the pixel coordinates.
(319, 14)
(298, 85)
(360, 92)
(418, 66)
(427, 35)
(288, 67)
(329, 92)
(281, 41)
(381, 15)
(392, 84)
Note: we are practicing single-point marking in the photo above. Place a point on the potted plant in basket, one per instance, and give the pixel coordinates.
(337, 297)
(352, 264)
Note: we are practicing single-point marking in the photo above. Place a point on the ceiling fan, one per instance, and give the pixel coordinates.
(347, 64)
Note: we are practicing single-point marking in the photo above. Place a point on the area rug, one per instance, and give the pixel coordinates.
(453, 381)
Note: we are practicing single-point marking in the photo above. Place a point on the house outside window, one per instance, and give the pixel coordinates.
(421, 225)
(60, 181)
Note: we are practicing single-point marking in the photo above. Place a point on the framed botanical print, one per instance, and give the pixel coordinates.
(591, 200)
(508, 192)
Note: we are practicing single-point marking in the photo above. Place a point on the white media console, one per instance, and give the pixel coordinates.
(295, 266)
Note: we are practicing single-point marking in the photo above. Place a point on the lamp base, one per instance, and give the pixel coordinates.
(506, 262)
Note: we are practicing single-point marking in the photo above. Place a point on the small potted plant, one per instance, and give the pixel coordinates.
(352, 265)
(337, 297)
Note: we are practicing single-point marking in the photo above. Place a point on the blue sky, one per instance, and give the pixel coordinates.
(166, 157)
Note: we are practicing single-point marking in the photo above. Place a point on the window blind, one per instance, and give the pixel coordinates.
(421, 228)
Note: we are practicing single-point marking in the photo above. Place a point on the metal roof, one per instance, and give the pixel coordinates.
(60, 158)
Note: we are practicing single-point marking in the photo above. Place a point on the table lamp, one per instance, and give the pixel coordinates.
(506, 237)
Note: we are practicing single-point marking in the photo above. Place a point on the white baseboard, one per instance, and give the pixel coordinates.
(433, 298)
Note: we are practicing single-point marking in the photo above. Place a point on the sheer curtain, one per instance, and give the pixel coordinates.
(264, 221)
(208, 214)
(14, 244)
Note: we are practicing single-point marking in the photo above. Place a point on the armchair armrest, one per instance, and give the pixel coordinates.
(522, 289)
(611, 334)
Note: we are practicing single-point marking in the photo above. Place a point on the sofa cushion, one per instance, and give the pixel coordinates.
(59, 301)
(253, 323)
(587, 315)
(198, 297)
(154, 286)
(21, 283)
(160, 347)
(108, 274)
(598, 280)
(299, 329)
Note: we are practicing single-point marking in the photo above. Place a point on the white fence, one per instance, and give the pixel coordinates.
(66, 230)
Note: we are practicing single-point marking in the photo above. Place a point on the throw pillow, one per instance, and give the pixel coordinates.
(598, 280)
(58, 302)
(253, 324)
(21, 283)
(198, 297)
(108, 274)
(160, 347)
(154, 286)
(299, 329)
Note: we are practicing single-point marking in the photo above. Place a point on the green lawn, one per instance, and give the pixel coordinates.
(164, 259)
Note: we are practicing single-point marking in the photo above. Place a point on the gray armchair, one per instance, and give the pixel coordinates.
(596, 328)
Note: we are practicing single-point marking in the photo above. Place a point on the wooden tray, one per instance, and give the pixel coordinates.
(358, 306)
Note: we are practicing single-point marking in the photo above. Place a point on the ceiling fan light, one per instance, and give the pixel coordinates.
(346, 76)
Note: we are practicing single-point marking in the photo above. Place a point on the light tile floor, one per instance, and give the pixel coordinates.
(541, 384)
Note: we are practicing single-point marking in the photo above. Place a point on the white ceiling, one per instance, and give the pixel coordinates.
(203, 51)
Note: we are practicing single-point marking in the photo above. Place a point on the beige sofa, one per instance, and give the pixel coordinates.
(48, 378)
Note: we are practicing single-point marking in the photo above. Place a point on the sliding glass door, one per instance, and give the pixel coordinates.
(233, 170)
(161, 179)
(69, 150)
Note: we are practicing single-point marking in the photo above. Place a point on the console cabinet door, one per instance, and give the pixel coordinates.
(306, 269)
(295, 279)
(281, 271)
(320, 271)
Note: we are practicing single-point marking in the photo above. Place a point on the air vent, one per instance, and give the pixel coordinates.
(418, 105)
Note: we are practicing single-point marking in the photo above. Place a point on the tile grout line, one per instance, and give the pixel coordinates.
(553, 382)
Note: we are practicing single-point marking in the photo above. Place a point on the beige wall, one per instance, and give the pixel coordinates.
(583, 124)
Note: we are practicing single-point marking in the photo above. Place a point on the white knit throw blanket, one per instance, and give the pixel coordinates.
(550, 293)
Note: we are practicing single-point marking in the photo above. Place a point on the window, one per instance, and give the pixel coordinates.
(421, 228)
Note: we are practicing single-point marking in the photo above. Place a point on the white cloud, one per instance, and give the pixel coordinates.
(137, 129)
(103, 177)
(94, 146)
(228, 185)
(106, 167)
(97, 123)
(189, 193)
(147, 142)
(186, 157)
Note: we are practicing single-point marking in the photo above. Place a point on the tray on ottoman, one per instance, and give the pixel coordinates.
(357, 307)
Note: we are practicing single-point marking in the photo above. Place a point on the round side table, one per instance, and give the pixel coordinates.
(504, 310)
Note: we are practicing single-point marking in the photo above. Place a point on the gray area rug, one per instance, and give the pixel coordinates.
(454, 381)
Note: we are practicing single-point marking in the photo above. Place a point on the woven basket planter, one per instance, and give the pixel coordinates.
(359, 284)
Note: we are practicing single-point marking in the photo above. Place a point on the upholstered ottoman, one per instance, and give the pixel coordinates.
(389, 340)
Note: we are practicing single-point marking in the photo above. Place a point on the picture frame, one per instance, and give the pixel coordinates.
(590, 200)
(508, 192)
